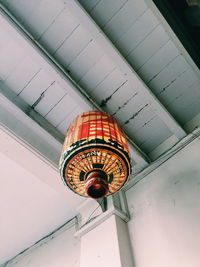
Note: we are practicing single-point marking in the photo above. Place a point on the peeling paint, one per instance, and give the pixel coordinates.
(148, 121)
(41, 96)
(104, 101)
(176, 182)
(29, 81)
(125, 103)
(135, 114)
(168, 85)
(163, 68)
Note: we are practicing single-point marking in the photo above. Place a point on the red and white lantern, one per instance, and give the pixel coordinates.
(95, 158)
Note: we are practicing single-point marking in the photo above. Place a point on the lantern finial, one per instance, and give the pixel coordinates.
(96, 185)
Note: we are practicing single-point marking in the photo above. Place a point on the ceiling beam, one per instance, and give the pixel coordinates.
(33, 47)
(27, 129)
(78, 11)
(7, 93)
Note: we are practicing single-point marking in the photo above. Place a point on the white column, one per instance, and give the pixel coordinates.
(105, 240)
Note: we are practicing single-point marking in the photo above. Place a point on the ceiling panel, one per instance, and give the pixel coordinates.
(5, 37)
(53, 37)
(186, 98)
(104, 10)
(169, 74)
(61, 110)
(148, 47)
(32, 16)
(148, 137)
(182, 85)
(103, 67)
(186, 105)
(21, 76)
(193, 111)
(122, 21)
(73, 46)
(38, 21)
(108, 86)
(158, 61)
(10, 56)
(134, 104)
(137, 32)
(121, 98)
(142, 118)
(85, 60)
(35, 88)
(50, 98)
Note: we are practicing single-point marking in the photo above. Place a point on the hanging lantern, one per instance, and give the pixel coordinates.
(95, 158)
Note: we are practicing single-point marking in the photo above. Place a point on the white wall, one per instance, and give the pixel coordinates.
(107, 245)
(58, 250)
(165, 213)
(165, 220)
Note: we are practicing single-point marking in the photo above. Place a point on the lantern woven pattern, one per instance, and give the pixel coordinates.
(94, 141)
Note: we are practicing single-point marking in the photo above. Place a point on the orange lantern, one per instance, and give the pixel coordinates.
(95, 158)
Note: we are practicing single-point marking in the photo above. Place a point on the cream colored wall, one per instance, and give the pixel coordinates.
(165, 213)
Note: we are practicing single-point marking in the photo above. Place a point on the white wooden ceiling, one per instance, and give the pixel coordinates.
(127, 71)
(60, 58)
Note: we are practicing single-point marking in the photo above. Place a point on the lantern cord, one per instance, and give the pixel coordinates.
(89, 219)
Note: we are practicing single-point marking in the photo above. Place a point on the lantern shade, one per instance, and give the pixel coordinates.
(95, 145)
